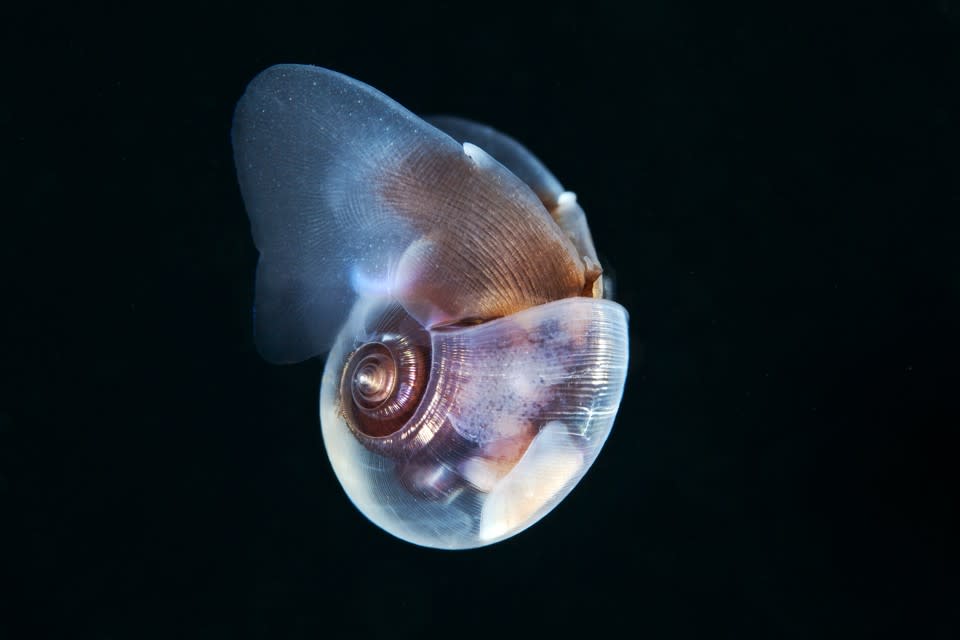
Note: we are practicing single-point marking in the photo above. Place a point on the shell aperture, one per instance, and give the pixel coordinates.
(474, 369)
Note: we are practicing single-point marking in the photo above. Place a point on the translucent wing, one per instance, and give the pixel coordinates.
(510, 153)
(518, 159)
(350, 194)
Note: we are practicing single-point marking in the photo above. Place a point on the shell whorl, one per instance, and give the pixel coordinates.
(383, 379)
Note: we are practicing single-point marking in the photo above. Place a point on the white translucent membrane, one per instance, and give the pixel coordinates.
(526, 403)
(348, 192)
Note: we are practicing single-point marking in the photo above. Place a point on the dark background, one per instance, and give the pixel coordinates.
(776, 188)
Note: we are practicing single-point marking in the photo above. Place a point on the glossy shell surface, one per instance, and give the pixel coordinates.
(474, 368)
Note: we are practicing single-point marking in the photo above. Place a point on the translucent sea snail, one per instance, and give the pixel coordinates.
(474, 367)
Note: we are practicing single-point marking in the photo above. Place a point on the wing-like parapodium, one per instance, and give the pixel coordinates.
(350, 194)
(561, 204)
(510, 153)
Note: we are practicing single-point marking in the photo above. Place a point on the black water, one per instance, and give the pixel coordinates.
(776, 188)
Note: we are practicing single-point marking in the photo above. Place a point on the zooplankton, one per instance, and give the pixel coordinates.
(475, 367)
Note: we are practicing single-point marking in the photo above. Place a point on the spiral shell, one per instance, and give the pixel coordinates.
(474, 368)
(513, 413)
